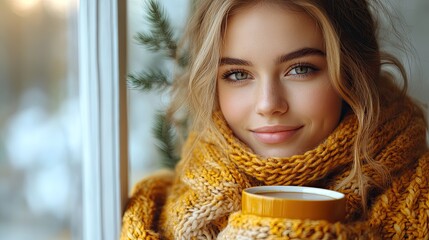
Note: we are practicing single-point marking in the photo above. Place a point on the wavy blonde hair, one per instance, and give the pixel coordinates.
(353, 55)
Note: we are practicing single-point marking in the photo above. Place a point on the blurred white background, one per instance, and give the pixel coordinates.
(40, 175)
(40, 168)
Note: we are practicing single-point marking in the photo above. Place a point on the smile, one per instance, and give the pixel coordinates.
(275, 134)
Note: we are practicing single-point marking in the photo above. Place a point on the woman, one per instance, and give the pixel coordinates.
(289, 93)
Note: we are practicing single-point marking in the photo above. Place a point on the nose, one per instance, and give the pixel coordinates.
(271, 99)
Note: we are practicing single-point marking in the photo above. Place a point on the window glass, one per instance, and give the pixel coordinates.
(143, 106)
(40, 169)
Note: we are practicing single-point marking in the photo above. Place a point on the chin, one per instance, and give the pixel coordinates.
(280, 152)
(277, 153)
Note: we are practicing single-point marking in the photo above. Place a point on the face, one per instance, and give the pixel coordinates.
(273, 84)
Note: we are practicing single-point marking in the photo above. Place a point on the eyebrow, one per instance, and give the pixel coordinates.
(300, 53)
(284, 58)
(234, 61)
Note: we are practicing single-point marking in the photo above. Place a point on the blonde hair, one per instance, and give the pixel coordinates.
(353, 56)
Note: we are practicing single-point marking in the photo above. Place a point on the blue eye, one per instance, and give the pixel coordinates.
(236, 75)
(301, 70)
(240, 75)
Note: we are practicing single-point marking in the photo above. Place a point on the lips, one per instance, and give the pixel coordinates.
(275, 134)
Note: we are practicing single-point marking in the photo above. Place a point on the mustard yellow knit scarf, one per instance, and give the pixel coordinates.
(206, 189)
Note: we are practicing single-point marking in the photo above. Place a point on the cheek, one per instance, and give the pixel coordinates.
(228, 102)
(232, 104)
(320, 104)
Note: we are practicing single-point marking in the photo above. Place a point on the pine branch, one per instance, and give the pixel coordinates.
(161, 33)
(164, 133)
(146, 81)
(149, 41)
(160, 39)
(183, 59)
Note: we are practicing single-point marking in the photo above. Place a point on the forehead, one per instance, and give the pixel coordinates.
(272, 25)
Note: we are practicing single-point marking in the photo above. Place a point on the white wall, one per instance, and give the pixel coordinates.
(415, 19)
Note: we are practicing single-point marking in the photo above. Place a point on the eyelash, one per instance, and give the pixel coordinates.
(311, 68)
(227, 74)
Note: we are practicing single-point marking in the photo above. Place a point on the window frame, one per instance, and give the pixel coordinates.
(103, 102)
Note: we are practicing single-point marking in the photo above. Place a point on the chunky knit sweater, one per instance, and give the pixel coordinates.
(201, 199)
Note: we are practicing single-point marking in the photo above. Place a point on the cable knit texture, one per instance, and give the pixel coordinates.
(202, 198)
